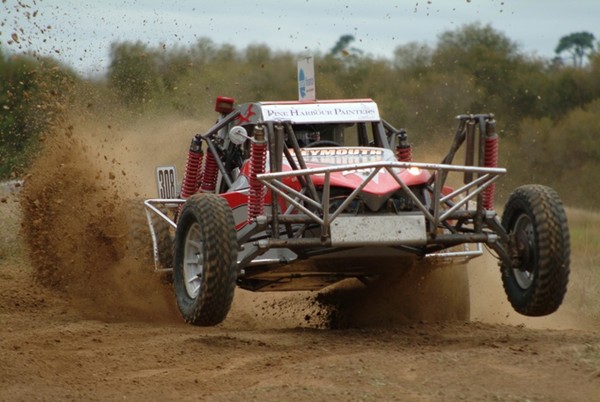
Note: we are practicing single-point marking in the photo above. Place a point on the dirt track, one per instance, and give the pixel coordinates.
(86, 321)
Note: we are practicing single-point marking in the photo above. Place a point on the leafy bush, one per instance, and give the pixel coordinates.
(563, 154)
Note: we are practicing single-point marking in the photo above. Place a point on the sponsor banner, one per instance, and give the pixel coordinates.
(346, 156)
(322, 112)
(362, 151)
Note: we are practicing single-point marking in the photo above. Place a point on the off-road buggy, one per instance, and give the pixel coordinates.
(300, 195)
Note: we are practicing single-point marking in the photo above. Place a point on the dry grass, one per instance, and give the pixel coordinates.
(584, 287)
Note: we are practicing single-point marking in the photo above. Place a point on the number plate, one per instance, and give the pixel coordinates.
(166, 181)
(386, 230)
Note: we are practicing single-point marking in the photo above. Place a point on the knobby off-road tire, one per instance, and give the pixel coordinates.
(204, 273)
(535, 219)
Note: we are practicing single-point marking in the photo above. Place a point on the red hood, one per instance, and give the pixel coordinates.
(375, 193)
(382, 184)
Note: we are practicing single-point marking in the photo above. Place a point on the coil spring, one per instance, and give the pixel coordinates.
(258, 157)
(404, 153)
(191, 177)
(490, 160)
(210, 173)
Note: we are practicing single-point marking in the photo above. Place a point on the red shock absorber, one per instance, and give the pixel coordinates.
(258, 158)
(210, 173)
(403, 149)
(490, 159)
(191, 177)
(404, 153)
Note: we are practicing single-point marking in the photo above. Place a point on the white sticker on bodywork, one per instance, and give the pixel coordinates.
(321, 112)
(166, 182)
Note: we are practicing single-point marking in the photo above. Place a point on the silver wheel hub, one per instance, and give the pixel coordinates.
(193, 260)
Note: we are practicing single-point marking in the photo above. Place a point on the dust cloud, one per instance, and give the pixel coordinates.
(421, 293)
(490, 305)
(77, 209)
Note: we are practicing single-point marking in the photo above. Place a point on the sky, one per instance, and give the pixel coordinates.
(79, 32)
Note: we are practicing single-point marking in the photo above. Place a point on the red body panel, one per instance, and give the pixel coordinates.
(382, 183)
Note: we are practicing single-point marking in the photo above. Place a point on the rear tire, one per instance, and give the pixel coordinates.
(205, 263)
(536, 222)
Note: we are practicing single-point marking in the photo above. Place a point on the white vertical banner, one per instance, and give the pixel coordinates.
(306, 79)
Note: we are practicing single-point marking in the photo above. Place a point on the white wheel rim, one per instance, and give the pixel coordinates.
(193, 258)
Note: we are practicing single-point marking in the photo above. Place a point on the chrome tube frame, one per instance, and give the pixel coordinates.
(443, 209)
(151, 208)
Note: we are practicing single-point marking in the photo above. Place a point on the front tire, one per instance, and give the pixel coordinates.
(205, 261)
(536, 222)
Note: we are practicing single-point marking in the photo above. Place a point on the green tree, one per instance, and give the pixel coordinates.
(483, 52)
(577, 44)
(413, 56)
(494, 64)
(33, 93)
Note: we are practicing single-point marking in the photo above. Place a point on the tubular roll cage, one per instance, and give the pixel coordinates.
(450, 218)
